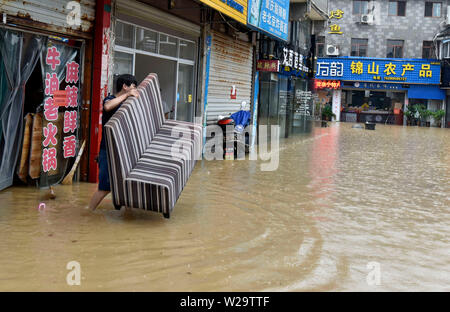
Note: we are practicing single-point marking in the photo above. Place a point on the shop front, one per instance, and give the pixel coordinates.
(285, 98)
(44, 87)
(378, 90)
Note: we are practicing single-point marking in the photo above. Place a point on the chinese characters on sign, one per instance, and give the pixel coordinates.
(378, 70)
(267, 65)
(383, 86)
(56, 98)
(335, 28)
(327, 84)
(49, 160)
(294, 60)
(330, 69)
(271, 16)
(71, 116)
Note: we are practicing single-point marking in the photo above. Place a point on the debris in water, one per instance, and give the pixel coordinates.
(52, 194)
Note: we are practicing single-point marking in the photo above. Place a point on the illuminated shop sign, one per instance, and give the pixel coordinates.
(379, 70)
(327, 84)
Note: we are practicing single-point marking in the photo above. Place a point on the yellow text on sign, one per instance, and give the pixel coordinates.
(229, 10)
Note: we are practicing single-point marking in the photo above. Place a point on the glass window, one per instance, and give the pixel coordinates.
(167, 45)
(123, 63)
(394, 48)
(185, 100)
(427, 50)
(397, 8)
(433, 9)
(146, 40)
(320, 46)
(359, 47)
(437, 9)
(445, 52)
(393, 7)
(187, 50)
(360, 7)
(124, 35)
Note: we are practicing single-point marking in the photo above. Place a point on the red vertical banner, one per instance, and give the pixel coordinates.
(100, 81)
(49, 152)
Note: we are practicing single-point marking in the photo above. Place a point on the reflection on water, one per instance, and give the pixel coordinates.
(340, 199)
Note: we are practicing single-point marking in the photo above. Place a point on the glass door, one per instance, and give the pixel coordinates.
(185, 93)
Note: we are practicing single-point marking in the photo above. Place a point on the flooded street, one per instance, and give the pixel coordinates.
(341, 198)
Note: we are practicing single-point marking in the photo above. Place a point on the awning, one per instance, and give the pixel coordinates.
(427, 92)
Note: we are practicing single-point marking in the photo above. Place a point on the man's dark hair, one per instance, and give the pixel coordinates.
(125, 79)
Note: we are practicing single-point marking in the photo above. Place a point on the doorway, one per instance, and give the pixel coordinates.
(166, 70)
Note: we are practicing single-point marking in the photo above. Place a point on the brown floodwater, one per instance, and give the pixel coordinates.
(340, 199)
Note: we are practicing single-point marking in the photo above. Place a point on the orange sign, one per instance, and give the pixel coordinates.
(327, 84)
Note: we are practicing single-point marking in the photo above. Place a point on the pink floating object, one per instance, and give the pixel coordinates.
(41, 206)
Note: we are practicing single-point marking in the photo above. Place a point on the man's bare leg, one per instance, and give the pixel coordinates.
(97, 198)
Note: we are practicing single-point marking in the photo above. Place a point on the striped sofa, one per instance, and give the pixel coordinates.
(150, 158)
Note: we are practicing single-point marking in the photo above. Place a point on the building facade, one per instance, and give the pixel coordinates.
(387, 31)
(442, 42)
(285, 71)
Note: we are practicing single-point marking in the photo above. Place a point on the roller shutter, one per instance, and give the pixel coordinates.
(53, 13)
(231, 64)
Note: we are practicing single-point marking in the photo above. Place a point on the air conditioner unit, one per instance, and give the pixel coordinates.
(332, 50)
(367, 19)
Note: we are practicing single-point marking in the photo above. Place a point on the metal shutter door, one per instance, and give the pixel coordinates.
(52, 12)
(231, 64)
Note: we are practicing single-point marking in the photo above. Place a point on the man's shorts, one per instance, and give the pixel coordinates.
(103, 174)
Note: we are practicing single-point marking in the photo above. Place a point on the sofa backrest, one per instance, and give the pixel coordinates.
(130, 131)
(151, 85)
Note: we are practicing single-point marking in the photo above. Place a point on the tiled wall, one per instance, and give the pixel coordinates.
(413, 28)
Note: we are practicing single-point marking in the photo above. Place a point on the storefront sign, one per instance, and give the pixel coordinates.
(335, 28)
(327, 84)
(270, 16)
(268, 65)
(55, 98)
(374, 85)
(236, 9)
(379, 70)
(294, 60)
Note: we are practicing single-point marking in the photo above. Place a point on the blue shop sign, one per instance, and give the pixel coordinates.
(421, 71)
(376, 86)
(270, 16)
(289, 71)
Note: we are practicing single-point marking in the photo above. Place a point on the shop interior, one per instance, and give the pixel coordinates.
(280, 105)
(372, 105)
(22, 85)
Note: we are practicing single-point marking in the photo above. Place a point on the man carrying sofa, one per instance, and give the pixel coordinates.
(125, 86)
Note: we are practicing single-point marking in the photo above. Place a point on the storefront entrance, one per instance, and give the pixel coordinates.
(380, 106)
